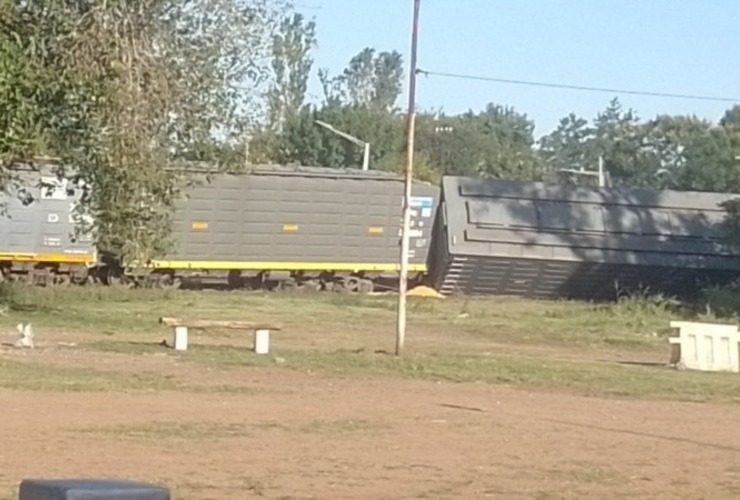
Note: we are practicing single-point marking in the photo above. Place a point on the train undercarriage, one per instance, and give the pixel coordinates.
(60, 274)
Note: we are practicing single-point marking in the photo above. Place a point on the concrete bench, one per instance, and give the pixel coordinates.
(180, 328)
(706, 346)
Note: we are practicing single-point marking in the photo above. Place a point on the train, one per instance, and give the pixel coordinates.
(275, 226)
(314, 228)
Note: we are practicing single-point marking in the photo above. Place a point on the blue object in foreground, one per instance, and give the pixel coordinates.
(89, 489)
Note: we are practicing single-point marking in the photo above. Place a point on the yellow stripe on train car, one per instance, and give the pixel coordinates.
(55, 258)
(278, 266)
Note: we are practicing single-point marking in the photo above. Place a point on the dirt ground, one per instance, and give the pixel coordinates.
(288, 434)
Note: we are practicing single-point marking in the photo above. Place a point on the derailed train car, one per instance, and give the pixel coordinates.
(39, 242)
(319, 228)
(531, 239)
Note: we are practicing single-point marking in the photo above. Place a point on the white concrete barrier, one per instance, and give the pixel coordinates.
(707, 346)
(262, 341)
(181, 338)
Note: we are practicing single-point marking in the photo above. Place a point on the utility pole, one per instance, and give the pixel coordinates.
(355, 140)
(408, 177)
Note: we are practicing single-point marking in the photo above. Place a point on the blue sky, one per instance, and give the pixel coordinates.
(675, 46)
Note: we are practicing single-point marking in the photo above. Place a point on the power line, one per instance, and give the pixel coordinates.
(577, 87)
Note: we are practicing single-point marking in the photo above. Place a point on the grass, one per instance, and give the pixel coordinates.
(116, 312)
(588, 376)
(29, 376)
(552, 345)
(178, 431)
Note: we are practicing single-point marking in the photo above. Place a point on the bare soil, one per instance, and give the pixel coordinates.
(301, 435)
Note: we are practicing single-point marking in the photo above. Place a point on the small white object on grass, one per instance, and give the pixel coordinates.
(26, 333)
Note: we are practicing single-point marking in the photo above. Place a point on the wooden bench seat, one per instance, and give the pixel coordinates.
(180, 329)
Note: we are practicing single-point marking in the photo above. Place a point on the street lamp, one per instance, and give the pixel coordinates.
(599, 173)
(366, 145)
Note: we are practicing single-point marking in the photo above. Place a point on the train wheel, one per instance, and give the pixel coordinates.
(345, 285)
(366, 286)
(354, 284)
(61, 280)
(112, 277)
(307, 286)
(289, 285)
(235, 279)
(311, 286)
(119, 281)
(168, 281)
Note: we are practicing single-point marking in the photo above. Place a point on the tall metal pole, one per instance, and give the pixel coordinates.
(409, 173)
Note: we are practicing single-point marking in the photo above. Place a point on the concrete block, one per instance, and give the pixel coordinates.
(89, 489)
(707, 346)
(181, 338)
(262, 341)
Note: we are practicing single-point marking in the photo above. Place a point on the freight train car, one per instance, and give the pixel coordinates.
(295, 226)
(531, 239)
(38, 241)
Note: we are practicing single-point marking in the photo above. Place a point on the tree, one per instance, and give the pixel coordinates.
(306, 143)
(672, 145)
(616, 136)
(127, 88)
(731, 117)
(23, 91)
(496, 142)
(618, 139)
(291, 64)
(370, 80)
(569, 146)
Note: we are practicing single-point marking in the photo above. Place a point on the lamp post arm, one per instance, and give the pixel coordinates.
(340, 133)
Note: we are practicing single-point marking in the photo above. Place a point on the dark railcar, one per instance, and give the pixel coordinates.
(537, 240)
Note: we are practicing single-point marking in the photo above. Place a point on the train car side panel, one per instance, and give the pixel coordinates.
(532, 239)
(307, 219)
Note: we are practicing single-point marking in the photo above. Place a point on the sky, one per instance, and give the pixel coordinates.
(669, 46)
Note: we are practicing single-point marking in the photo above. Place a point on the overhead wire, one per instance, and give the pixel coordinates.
(576, 87)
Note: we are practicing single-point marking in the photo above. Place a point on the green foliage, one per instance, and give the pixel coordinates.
(723, 301)
(25, 86)
(122, 89)
(370, 81)
(291, 64)
(496, 142)
(569, 146)
(424, 170)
